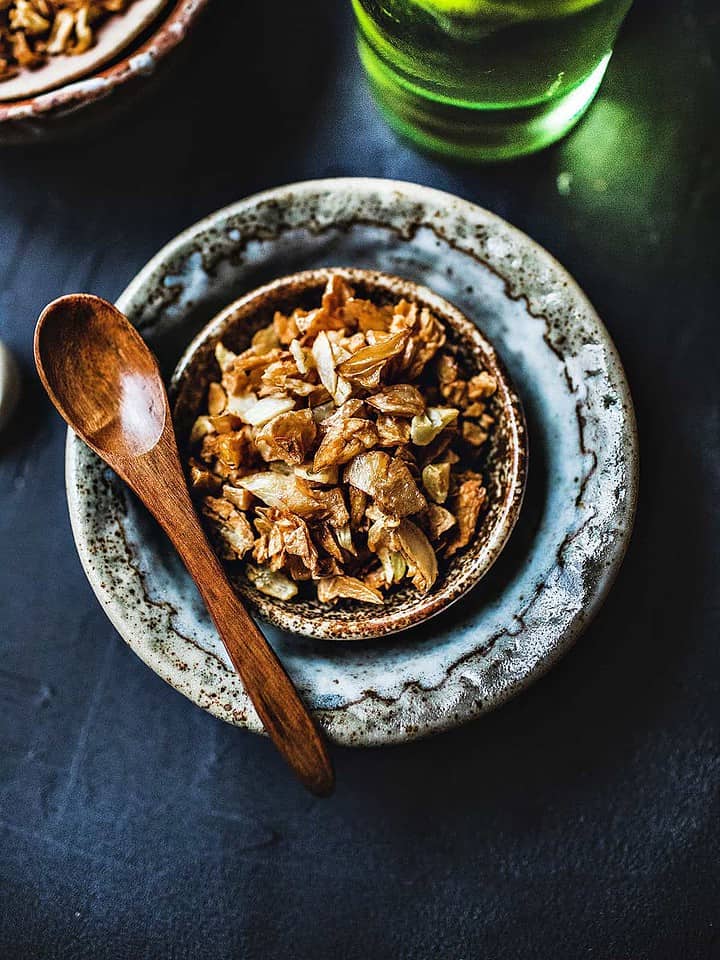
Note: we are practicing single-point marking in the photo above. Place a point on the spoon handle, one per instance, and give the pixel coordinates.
(284, 715)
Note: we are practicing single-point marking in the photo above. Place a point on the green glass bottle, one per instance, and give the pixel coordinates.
(486, 79)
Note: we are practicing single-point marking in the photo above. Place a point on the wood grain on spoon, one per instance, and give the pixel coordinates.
(106, 384)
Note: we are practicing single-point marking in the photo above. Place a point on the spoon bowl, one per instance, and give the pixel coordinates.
(122, 407)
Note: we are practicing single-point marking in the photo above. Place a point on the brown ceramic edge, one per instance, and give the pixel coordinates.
(168, 33)
(379, 626)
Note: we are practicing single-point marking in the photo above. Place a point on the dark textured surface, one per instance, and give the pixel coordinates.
(579, 821)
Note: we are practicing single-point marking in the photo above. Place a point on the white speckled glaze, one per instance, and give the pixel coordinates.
(581, 494)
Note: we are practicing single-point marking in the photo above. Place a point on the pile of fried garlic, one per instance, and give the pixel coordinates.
(33, 30)
(335, 449)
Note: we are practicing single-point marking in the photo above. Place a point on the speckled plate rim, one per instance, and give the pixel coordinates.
(375, 720)
(477, 563)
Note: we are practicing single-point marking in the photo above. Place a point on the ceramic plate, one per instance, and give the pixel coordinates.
(580, 500)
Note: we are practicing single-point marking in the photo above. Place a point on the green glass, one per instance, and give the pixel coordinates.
(486, 79)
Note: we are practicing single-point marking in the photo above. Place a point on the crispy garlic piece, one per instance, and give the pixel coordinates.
(339, 450)
(349, 587)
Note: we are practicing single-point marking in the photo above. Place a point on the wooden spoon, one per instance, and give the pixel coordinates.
(105, 382)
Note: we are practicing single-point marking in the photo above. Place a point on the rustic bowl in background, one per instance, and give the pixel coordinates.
(504, 468)
(111, 38)
(71, 108)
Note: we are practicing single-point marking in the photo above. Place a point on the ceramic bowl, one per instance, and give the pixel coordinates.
(580, 497)
(73, 106)
(112, 37)
(504, 469)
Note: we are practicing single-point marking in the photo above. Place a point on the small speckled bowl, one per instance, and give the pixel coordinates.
(504, 469)
(71, 108)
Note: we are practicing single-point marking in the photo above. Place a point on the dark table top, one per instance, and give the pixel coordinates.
(581, 820)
